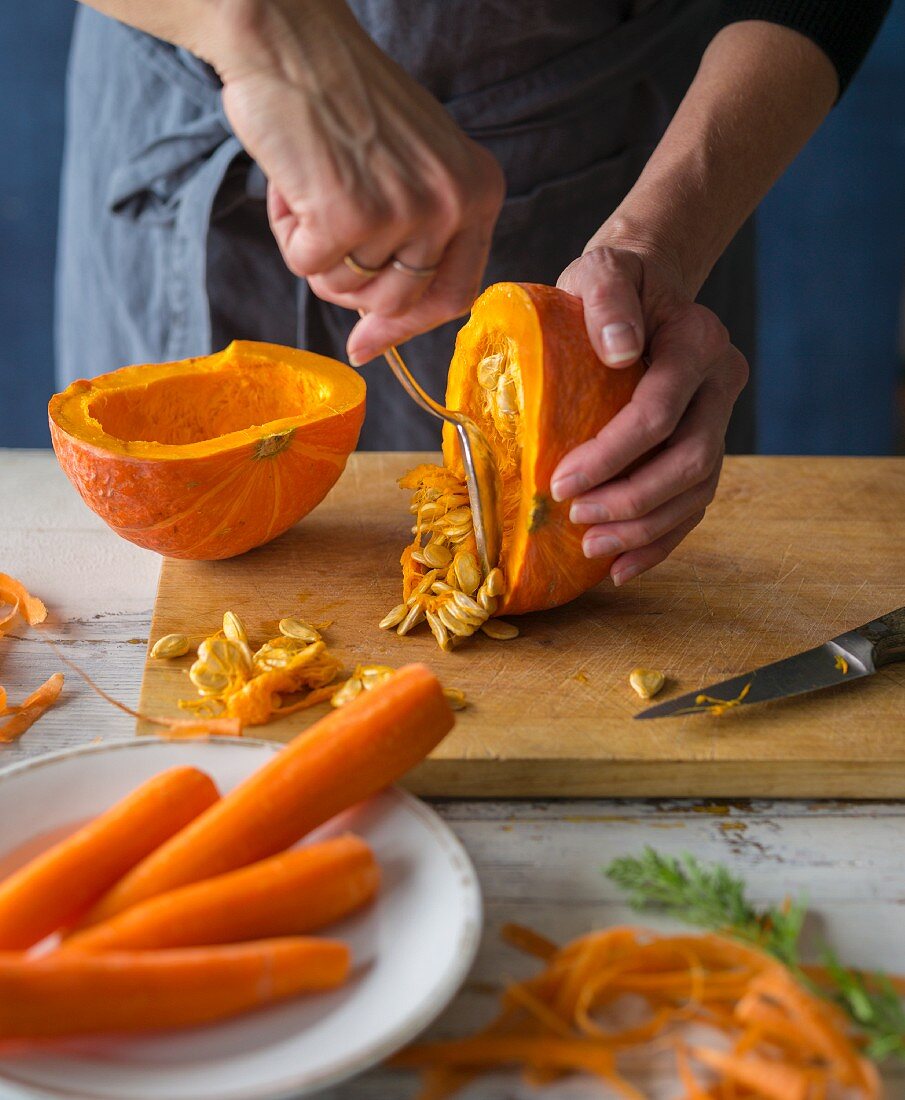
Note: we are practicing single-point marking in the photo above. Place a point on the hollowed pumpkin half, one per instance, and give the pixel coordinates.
(205, 458)
(525, 370)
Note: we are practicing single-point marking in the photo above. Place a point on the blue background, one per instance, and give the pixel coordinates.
(831, 239)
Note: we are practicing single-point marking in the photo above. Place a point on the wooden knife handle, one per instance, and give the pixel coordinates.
(887, 635)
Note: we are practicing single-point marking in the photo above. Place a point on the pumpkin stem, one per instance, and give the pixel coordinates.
(272, 445)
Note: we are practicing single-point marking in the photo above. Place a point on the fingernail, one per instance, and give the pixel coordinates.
(626, 574)
(569, 485)
(620, 343)
(358, 358)
(588, 513)
(601, 546)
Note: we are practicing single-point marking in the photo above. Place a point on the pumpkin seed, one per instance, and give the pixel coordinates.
(282, 651)
(461, 522)
(435, 555)
(454, 623)
(439, 587)
(295, 628)
(424, 584)
(413, 617)
(222, 665)
(488, 603)
(507, 396)
(457, 517)
(489, 370)
(458, 539)
(227, 651)
(372, 675)
(469, 606)
(467, 572)
(431, 510)
(438, 630)
(501, 631)
(418, 556)
(646, 681)
(496, 582)
(421, 589)
(207, 681)
(234, 628)
(169, 646)
(346, 692)
(455, 698)
(394, 617)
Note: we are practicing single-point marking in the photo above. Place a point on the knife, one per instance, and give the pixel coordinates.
(856, 653)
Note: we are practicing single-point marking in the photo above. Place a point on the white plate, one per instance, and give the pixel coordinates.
(412, 947)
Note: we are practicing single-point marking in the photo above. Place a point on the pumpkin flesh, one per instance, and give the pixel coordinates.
(526, 372)
(206, 458)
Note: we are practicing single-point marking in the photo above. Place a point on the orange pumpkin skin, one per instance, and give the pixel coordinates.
(567, 395)
(206, 458)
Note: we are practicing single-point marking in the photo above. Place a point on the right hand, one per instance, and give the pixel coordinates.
(360, 160)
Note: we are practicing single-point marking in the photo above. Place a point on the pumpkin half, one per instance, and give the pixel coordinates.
(525, 371)
(205, 458)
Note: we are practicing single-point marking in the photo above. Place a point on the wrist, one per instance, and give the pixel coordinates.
(629, 230)
(241, 37)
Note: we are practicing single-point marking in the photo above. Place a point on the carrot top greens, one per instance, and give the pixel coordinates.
(712, 897)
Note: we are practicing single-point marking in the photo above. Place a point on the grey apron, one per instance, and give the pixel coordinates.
(164, 246)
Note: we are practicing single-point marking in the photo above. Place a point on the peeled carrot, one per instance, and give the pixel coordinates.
(342, 759)
(58, 886)
(286, 895)
(70, 993)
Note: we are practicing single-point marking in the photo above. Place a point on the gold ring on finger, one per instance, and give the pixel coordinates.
(415, 272)
(365, 272)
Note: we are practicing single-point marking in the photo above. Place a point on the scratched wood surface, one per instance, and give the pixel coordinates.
(539, 861)
(794, 551)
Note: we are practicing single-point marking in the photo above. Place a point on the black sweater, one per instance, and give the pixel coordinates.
(843, 29)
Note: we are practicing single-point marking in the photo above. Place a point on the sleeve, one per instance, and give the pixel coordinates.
(843, 29)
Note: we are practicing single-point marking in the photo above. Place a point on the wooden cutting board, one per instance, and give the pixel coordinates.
(792, 552)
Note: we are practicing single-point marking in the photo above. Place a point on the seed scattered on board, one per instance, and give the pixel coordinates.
(234, 628)
(296, 628)
(502, 632)
(646, 681)
(169, 646)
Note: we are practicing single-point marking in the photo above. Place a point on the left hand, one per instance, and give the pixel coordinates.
(644, 481)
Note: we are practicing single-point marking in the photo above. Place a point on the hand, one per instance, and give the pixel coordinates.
(646, 478)
(361, 161)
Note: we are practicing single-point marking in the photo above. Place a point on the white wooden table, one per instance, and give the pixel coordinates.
(539, 863)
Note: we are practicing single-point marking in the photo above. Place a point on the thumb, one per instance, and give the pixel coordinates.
(612, 307)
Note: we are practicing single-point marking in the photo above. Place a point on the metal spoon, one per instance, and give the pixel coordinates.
(481, 473)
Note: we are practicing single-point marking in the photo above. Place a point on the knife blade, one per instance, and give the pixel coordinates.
(856, 653)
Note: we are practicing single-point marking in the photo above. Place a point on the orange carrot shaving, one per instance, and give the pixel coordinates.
(773, 1039)
(693, 1088)
(28, 712)
(23, 603)
(771, 1080)
(528, 941)
(24, 716)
